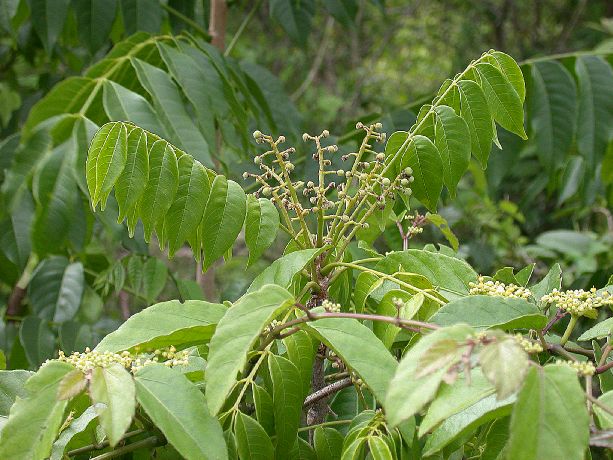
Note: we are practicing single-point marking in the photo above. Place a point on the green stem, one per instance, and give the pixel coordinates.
(242, 27)
(569, 329)
(144, 443)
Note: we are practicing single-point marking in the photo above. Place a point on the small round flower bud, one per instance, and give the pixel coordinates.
(257, 160)
(332, 148)
(310, 184)
(378, 126)
(266, 191)
(305, 137)
(380, 157)
(408, 171)
(404, 182)
(325, 133)
(340, 172)
(245, 175)
(359, 125)
(386, 182)
(281, 139)
(257, 134)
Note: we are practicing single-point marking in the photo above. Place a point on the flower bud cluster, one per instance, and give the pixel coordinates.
(578, 302)
(528, 345)
(91, 359)
(583, 368)
(498, 289)
(331, 307)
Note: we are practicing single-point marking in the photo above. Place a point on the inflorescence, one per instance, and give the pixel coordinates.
(341, 199)
(578, 302)
(498, 289)
(528, 345)
(91, 359)
(583, 368)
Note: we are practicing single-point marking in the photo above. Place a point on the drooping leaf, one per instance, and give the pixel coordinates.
(359, 348)
(179, 410)
(141, 15)
(553, 112)
(485, 312)
(295, 18)
(235, 335)
(379, 450)
(287, 401)
(510, 69)
(301, 352)
(48, 17)
(223, 218)
(595, 93)
(261, 226)
(252, 442)
(113, 387)
(600, 330)
(452, 141)
(34, 421)
(165, 324)
(71, 385)
(542, 427)
(75, 429)
(94, 20)
(161, 188)
(475, 111)
(171, 110)
(503, 101)
(264, 408)
(107, 157)
(37, 339)
(424, 158)
(56, 288)
(407, 394)
(132, 181)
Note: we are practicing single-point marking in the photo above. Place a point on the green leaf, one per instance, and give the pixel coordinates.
(595, 92)
(467, 421)
(252, 442)
(261, 226)
(141, 15)
(301, 352)
(76, 428)
(283, 270)
(223, 218)
(179, 410)
(171, 110)
(407, 394)
(161, 187)
(154, 278)
(105, 161)
(264, 409)
(236, 333)
(451, 140)
(503, 101)
(605, 418)
(8, 9)
(188, 205)
(114, 388)
(295, 18)
(34, 421)
(132, 181)
(442, 224)
(122, 104)
(56, 288)
(287, 401)
(511, 71)
(543, 426)
(354, 450)
(600, 330)
(71, 385)
(11, 387)
(551, 281)
(37, 339)
(412, 303)
(476, 113)
(425, 160)
(504, 363)
(328, 443)
(94, 20)
(454, 398)
(165, 324)
(553, 105)
(487, 312)
(379, 450)
(48, 17)
(359, 348)
(449, 275)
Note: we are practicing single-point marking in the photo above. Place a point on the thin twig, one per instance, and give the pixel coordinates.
(242, 27)
(598, 403)
(147, 442)
(102, 445)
